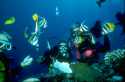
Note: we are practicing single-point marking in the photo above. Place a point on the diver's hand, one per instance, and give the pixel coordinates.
(26, 61)
(31, 79)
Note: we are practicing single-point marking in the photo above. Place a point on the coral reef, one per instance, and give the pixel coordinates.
(114, 57)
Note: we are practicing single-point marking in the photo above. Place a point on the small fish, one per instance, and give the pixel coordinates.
(31, 80)
(35, 17)
(101, 29)
(42, 22)
(57, 8)
(100, 2)
(27, 61)
(108, 27)
(57, 11)
(32, 39)
(48, 45)
(10, 21)
(83, 27)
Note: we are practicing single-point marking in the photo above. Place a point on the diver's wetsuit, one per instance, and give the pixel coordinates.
(4, 59)
(11, 72)
(96, 48)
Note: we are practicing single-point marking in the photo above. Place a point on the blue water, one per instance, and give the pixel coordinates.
(58, 26)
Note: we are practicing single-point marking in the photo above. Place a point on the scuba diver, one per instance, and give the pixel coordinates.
(62, 69)
(58, 60)
(8, 73)
(60, 52)
(83, 45)
(40, 24)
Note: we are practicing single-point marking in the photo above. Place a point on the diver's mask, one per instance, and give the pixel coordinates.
(77, 35)
(5, 45)
(63, 49)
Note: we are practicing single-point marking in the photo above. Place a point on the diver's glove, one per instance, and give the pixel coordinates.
(26, 61)
(31, 79)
